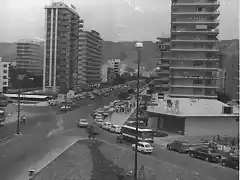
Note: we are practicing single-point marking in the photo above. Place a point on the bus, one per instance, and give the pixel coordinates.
(2, 116)
(129, 134)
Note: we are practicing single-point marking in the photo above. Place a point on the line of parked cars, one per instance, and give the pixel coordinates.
(204, 152)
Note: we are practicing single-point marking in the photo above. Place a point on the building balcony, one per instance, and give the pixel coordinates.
(193, 77)
(196, 59)
(196, 49)
(161, 79)
(195, 68)
(207, 3)
(205, 13)
(196, 40)
(193, 96)
(162, 71)
(200, 86)
(214, 22)
(160, 64)
(196, 31)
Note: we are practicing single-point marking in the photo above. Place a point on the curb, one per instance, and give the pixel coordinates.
(44, 166)
(8, 139)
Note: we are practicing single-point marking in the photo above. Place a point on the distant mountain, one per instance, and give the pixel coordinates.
(125, 51)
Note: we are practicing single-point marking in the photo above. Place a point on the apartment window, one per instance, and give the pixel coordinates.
(197, 80)
(4, 83)
(197, 91)
(5, 71)
(5, 65)
(199, 37)
(200, 9)
(198, 46)
(198, 63)
(4, 77)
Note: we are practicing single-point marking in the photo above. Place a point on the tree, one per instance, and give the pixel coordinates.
(223, 97)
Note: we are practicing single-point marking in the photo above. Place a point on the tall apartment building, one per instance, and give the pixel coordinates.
(115, 64)
(90, 54)
(162, 81)
(63, 26)
(29, 56)
(194, 48)
(4, 76)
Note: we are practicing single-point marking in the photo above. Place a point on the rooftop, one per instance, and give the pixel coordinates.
(189, 107)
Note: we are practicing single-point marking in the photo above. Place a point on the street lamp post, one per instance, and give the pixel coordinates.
(138, 46)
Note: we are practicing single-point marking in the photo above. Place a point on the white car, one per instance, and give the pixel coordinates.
(63, 108)
(115, 129)
(98, 121)
(82, 123)
(143, 147)
(99, 116)
(106, 125)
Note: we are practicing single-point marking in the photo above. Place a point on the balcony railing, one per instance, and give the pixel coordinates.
(196, 40)
(196, 59)
(217, 13)
(195, 68)
(204, 31)
(209, 96)
(203, 21)
(196, 2)
(202, 86)
(193, 77)
(195, 49)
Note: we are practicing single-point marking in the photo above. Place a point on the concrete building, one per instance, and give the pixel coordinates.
(90, 54)
(193, 117)
(115, 64)
(61, 67)
(194, 48)
(162, 81)
(29, 56)
(104, 73)
(4, 76)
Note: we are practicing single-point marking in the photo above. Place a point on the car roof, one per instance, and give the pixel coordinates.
(82, 119)
(144, 143)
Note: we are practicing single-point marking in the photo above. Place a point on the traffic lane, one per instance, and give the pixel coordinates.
(22, 156)
(43, 115)
(84, 112)
(214, 171)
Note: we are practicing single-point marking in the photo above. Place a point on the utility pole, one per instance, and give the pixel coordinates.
(138, 46)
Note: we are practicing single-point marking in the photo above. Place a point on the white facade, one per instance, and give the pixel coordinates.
(4, 73)
(104, 73)
(115, 64)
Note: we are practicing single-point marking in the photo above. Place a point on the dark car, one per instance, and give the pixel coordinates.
(205, 153)
(179, 146)
(231, 161)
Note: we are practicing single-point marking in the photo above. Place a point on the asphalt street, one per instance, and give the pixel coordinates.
(41, 136)
(44, 134)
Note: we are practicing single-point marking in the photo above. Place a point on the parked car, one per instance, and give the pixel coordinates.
(98, 121)
(63, 108)
(231, 161)
(143, 147)
(115, 129)
(82, 123)
(92, 97)
(106, 125)
(205, 153)
(179, 146)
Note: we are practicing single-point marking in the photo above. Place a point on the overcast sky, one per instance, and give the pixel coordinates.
(116, 20)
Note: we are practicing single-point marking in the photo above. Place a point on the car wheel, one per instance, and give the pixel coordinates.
(223, 163)
(142, 151)
(168, 147)
(191, 154)
(207, 159)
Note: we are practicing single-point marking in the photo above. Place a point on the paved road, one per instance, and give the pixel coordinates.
(42, 137)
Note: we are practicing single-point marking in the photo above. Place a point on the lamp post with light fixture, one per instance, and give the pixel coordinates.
(138, 46)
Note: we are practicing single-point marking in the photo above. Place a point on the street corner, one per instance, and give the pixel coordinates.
(75, 162)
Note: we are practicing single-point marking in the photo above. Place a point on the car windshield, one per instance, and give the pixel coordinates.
(147, 145)
(83, 120)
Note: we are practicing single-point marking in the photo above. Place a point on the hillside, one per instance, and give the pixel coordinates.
(125, 51)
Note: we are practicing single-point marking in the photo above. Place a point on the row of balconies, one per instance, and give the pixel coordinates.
(206, 13)
(213, 21)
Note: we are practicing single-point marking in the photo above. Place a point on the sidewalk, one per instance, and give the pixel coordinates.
(119, 118)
